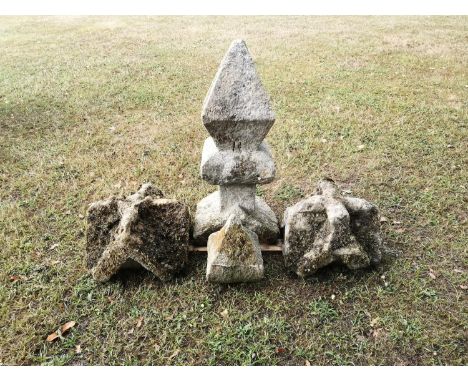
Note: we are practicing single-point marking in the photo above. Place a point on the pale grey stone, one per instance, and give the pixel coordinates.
(238, 115)
(234, 254)
(236, 166)
(237, 111)
(144, 228)
(242, 195)
(209, 218)
(327, 228)
(146, 189)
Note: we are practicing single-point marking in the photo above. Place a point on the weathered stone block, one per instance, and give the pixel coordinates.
(327, 228)
(143, 227)
(242, 195)
(236, 166)
(234, 254)
(209, 218)
(103, 220)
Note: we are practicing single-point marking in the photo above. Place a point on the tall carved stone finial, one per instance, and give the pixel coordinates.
(238, 115)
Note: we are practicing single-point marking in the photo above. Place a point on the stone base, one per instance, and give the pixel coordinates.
(209, 218)
(234, 254)
(242, 195)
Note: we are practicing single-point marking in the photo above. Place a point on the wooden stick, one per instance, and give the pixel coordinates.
(265, 248)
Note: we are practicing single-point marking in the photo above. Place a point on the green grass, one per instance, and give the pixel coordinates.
(92, 107)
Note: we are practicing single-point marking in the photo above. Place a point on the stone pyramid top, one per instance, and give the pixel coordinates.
(237, 111)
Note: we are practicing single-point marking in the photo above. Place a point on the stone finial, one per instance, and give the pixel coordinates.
(237, 110)
(238, 115)
(327, 227)
(143, 227)
(234, 254)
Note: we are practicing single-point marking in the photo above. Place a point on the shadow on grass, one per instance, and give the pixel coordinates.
(275, 274)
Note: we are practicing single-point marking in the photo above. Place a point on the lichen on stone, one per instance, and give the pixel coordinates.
(234, 254)
(236, 245)
(144, 227)
(327, 228)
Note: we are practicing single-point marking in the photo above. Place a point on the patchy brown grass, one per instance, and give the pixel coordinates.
(92, 106)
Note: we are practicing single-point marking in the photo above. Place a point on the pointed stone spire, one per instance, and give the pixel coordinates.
(237, 111)
(238, 115)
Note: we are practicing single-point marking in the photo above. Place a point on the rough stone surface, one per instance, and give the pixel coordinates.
(236, 166)
(103, 220)
(237, 109)
(234, 254)
(143, 227)
(238, 115)
(242, 195)
(327, 228)
(209, 218)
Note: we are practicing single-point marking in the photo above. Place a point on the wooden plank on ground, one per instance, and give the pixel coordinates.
(265, 248)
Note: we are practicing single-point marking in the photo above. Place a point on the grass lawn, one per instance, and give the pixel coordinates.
(92, 107)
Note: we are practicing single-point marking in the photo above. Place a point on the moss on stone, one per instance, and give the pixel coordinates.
(236, 243)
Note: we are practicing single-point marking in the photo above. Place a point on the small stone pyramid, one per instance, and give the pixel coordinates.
(234, 254)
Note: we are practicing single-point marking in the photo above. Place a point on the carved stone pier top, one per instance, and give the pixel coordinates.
(327, 228)
(144, 227)
(237, 114)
